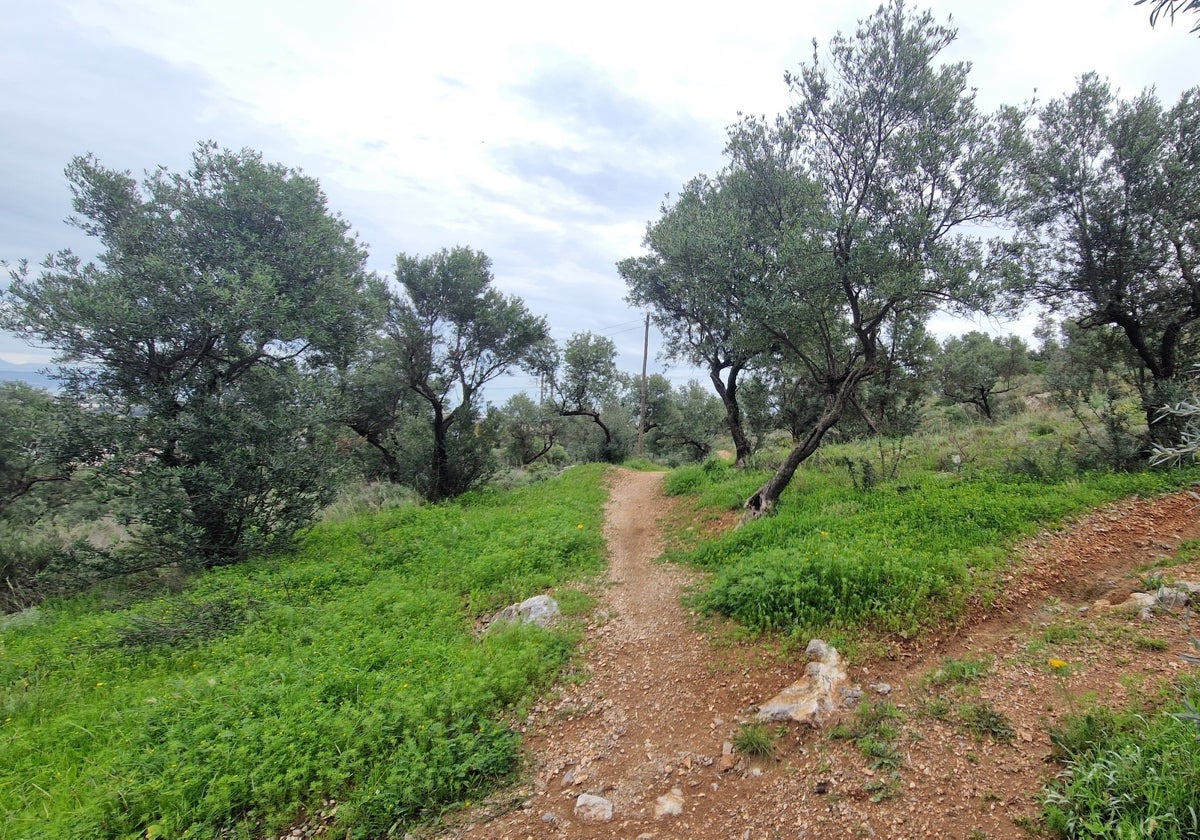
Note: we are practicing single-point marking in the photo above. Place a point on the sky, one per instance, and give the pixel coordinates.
(545, 134)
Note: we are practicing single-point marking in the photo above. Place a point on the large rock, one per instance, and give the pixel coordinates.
(593, 809)
(1172, 596)
(540, 610)
(819, 696)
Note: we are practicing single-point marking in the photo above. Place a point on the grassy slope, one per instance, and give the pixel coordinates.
(350, 670)
(838, 561)
(903, 555)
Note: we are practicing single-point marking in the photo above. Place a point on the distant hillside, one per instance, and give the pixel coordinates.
(30, 374)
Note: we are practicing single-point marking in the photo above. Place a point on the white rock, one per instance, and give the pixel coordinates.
(669, 804)
(818, 696)
(1136, 603)
(593, 809)
(540, 610)
(1172, 596)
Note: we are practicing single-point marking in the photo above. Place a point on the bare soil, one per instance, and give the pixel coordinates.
(658, 696)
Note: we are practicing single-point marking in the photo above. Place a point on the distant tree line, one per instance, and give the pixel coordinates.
(228, 361)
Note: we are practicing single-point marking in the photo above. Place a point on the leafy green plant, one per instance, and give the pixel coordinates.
(936, 707)
(755, 739)
(884, 787)
(863, 474)
(1128, 774)
(1080, 735)
(958, 672)
(874, 731)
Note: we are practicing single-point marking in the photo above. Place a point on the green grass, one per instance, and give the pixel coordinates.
(904, 556)
(755, 739)
(874, 729)
(1127, 775)
(348, 670)
(985, 720)
(958, 672)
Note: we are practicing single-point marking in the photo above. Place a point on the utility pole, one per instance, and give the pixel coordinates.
(642, 411)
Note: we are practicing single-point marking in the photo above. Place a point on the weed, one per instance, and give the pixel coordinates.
(983, 719)
(881, 754)
(1029, 825)
(1150, 644)
(1057, 634)
(1151, 581)
(1080, 735)
(958, 672)
(937, 707)
(883, 788)
(1129, 774)
(1061, 669)
(874, 730)
(755, 739)
(862, 473)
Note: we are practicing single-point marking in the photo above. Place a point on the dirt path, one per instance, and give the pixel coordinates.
(655, 703)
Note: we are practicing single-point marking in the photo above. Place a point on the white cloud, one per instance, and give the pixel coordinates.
(545, 133)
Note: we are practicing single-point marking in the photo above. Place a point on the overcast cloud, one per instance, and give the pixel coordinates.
(545, 134)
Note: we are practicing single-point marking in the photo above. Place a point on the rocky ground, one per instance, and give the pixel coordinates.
(646, 723)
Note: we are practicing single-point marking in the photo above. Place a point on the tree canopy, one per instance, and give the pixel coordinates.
(216, 293)
(692, 280)
(975, 368)
(1171, 8)
(584, 379)
(453, 332)
(1111, 225)
(850, 207)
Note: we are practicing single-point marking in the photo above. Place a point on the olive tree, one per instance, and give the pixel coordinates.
(218, 297)
(584, 379)
(530, 430)
(898, 160)
(683, 422)
(691, 281)
(1111, 228)
(975, 368)
(451, 332)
